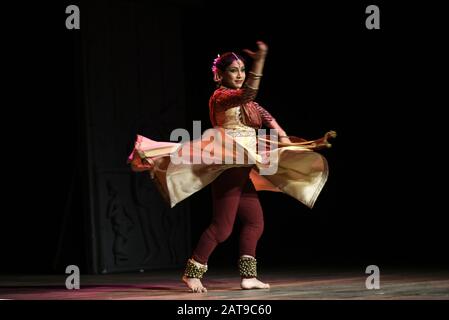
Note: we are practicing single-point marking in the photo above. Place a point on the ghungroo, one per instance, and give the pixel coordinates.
(248, 267)
(195, 269)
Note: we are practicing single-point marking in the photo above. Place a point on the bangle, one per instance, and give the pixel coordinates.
(248, 86)
(256, 75)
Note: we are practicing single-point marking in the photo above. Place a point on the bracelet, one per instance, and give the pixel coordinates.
(256, 75)
(248, 86)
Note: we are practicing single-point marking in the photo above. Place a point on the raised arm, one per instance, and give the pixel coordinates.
(228, 98)
(258, 57)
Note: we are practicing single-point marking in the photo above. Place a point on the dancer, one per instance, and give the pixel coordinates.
(300, 172)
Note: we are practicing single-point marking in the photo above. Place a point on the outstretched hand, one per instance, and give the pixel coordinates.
(260, 53)
(138, 164)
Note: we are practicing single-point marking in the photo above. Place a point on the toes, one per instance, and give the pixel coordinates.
(199, 290)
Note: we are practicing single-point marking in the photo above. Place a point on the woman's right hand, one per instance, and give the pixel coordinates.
(260, 53)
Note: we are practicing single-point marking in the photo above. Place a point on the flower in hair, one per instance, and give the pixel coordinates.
(214, 64)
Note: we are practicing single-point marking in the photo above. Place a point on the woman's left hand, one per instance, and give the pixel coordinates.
(138, 164)
(261, 52)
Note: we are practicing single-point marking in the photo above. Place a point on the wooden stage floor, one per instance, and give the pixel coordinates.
(286, 284)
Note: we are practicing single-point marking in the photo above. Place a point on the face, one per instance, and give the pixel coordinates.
(234, 75)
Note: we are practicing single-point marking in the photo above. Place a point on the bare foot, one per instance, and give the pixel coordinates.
(253, 283)
(194, 284)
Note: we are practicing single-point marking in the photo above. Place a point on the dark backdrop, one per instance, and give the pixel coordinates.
(381, 90)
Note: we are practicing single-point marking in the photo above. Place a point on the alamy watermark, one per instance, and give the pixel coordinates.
(73, 20)
(73, 280)
(225, 146)
(373, 20)
(372, 281)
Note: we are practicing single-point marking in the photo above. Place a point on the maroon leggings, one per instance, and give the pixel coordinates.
(233, 194)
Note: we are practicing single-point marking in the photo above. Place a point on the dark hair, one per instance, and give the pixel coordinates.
(227, 59)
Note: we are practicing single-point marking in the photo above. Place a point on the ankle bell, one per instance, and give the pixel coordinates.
(248, 267)
(195, 269)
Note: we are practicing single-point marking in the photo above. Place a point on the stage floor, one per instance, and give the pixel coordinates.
(286, 284)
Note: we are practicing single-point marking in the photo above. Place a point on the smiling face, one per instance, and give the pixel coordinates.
(234, 75)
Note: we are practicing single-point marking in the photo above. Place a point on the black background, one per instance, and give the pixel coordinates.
(383, 91)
